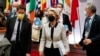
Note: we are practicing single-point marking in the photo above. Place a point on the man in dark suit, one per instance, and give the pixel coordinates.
(64, 18)
(91, 34)
(19, 33)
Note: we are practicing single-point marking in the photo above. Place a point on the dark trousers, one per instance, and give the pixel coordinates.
(92, 53)
(51, 51)
(16, 49)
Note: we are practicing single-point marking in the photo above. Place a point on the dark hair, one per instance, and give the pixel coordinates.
(40, 15)
(60, 4)
(21, 7)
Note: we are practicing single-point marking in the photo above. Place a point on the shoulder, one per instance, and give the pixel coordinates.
(26, 20)
(97, 17)
(60, 25)
(65, 15)
(11, 19)
(46, 25)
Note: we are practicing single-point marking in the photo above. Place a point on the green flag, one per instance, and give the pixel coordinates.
(31, 9)
(32, 5)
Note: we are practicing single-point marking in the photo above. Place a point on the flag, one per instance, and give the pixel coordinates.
(67, 2)
(31, 9)
(74, 12)
(23, 2)
(54, 3)
(61, 1)
(27, 1)
(67, 7)
(38, 4)
(48, 3)
(7, 5)
(43, 5)
(27, 7)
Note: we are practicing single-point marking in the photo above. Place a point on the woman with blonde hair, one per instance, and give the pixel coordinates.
(52, 33)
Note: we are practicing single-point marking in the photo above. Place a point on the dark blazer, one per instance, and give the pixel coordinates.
(94, 35)
(25, 36)
(66, 21)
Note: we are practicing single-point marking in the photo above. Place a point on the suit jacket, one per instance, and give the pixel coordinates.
(94, 35)
(59, 34)
(66, 21)
(25, 36)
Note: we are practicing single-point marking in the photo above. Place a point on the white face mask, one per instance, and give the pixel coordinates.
(59, 9)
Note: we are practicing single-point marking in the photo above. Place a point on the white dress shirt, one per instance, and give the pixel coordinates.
(13, 38)
(61, 18)
(90, 22)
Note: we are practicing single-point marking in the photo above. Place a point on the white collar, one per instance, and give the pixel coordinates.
(92, 16)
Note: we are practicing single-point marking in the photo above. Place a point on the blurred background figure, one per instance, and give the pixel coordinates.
(38, 23)
(6, 14)
(37, 26)
(2, 20)
(14, 9)
(64, 19)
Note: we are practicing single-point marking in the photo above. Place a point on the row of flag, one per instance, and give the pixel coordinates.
(70, 6)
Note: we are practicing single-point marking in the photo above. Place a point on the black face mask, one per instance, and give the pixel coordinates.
(51, 18)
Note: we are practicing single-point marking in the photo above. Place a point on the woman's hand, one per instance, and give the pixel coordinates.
(66, 54)
(41, 53)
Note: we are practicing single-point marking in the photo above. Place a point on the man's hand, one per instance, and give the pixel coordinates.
(68, 33)
(87, 41)
(27, 54)
(77, 46)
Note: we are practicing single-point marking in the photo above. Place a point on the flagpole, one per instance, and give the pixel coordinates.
(79, 22)
(74, 35)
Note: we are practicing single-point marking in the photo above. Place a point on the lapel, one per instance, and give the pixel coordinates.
(13, 23)
(92, 25)
(23, 26)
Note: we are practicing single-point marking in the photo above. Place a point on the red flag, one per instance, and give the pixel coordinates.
(74, 12)
(43, 4)
(23, 2)
(54, 3)
(7, 5)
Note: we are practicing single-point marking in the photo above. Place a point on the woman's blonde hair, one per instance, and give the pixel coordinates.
(55, 12)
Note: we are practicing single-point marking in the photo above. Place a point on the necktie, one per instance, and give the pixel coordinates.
(87, 25)
(18, 31)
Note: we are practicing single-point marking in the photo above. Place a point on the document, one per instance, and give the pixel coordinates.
(61, 48)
